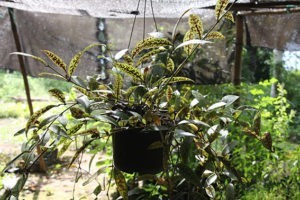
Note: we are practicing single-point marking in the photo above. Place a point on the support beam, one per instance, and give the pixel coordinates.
(236, 73)
(42, 163)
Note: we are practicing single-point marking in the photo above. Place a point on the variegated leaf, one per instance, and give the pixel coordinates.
(150, 43)
(170, 65)
(214, 35)
(121, 183)
(64, 147)
(189, 35)
(129, 69)
(75, 128)
(56, 59)
(77, 113)
(58, 94)
(118, 84)
(45, 74)
(177, 79)
(79, 151)
(33, 118)
(127, 58)
(75, 60)
(31, 56)
(196, 25)
(229, 16)
(91, 131)
(220, 7)
(148, 55)
(85, 92)
(169, 93)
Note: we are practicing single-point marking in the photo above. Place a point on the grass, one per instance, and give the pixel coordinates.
(12, 85)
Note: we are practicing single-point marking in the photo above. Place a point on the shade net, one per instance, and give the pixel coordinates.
(66, 27)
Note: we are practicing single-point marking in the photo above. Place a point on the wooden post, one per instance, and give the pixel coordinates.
(236, 74)
(42, 163)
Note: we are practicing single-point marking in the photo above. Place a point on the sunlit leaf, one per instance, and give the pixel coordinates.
(220, 8)
(120, 54)
(170, 64)
(189, 35)
(210, 191)
(184, 133)
(129, 70)
(195, 41)
(229, 99)
(149, 55)
(196, 25)
(121, 183)
(211, 179)
(216, 105)
(80, 150)
(229, 16)
(31, 56)
(77, 113)
(149, 43)
(118, 84)
(58, 94)
(214, 35)
(56, 59)
(75, 60)
(33, 118)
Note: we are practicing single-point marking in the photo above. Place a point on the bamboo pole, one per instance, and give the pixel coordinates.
(236, 74)
(42, 163)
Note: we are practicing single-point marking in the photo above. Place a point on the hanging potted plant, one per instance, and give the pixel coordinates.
(145, 110)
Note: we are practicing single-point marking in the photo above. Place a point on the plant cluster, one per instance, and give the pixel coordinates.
(144, 94)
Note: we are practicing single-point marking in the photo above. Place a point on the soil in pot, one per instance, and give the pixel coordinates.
(131, 151)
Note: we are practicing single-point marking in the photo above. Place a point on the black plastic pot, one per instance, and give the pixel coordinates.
(132, 154)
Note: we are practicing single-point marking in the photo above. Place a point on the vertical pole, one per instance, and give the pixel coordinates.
(42, 163)
(236, 75)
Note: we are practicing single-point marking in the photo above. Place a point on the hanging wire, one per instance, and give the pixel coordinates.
(153, 16)
(144, 25)
(134, 20)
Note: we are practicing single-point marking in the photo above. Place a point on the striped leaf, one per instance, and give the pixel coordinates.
(31, 56)
(64, 147)
(58, 94)
(91, 131)
(75, 60)
(148, 55)
(56, 59)
(33, 118)
(169, 93)
(127, 58)
(170, 65)
(85, 92)
(214, 35)
(77, 113)
(79, 151)
(129, 69)
(121, 183)
(196, 25)
(189, 35)
(118, 84)
(45, 74)
(150, 43)
(74, 129)
(229, 16)
(177, 79)
(220, 8)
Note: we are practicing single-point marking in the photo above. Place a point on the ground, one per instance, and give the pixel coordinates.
(59, 182)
